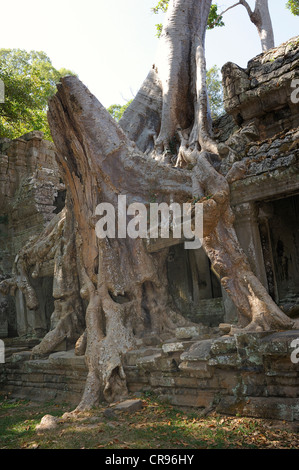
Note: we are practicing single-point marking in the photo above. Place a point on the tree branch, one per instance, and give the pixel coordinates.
(253, 15)
(240, 2)
(247, 6)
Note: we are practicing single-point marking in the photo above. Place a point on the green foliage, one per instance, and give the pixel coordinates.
(117, 110)
(162, 5)
(293, 6)
(30, 80)
(159, 27)
(215, 92)
(214, 18)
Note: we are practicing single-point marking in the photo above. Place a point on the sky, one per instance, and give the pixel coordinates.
(111, 45)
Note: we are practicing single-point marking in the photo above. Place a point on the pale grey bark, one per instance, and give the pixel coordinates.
(261, 18)
(141, 120)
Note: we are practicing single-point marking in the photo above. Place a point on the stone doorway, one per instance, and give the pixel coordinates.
(194, 287)
(279, 228)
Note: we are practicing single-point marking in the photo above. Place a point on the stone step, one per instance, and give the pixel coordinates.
(67, 359)
(133, 356)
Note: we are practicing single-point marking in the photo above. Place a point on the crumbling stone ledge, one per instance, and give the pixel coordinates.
(250, 374)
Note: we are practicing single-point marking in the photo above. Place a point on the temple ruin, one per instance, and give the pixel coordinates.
(202, 366)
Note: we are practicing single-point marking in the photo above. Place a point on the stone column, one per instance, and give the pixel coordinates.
(21, 311)
(200, 275)
(247, 229)
(265, 214)
(3, 317)
(29, 322)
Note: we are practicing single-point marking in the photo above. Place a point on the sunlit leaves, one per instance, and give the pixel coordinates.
(30, 80)
(293, 6)
(162, 5)
(215, 18)
(215, 92)
(117, 110)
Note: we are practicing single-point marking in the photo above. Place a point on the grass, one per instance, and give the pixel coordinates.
(156, 426)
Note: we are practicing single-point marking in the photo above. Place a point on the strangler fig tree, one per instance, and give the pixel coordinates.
(122, 284)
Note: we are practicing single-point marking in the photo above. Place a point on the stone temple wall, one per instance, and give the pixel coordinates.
(30, 187)
(261, 99)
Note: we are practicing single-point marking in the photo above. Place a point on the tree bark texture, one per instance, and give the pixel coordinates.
(124, 285)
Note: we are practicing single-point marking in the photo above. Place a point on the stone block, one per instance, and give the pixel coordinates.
(261, 407)
(134, 387)
(189, 382)
(67, 359)
(284, 380)
(198, 369)
(158, 380)
(168, 363)
(35, 378)
(283, 391)
(173, 347)
(227, 380)
(148, 362)
(133, 356)
(225, 360)
(225, 328)
(224, 345)
(189, 332)
(199, 351)
(136, 375)
(129, 406)
(248, 346)
(281, 368)
(192, 398)
(20, 356)
(278, 344)
(48, 423)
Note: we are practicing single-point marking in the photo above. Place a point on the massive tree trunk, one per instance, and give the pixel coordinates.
(123, 284)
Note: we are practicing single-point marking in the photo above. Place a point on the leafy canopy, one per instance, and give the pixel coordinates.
(29, 80)
(293, 6)
(215, 91)
(117, 110)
